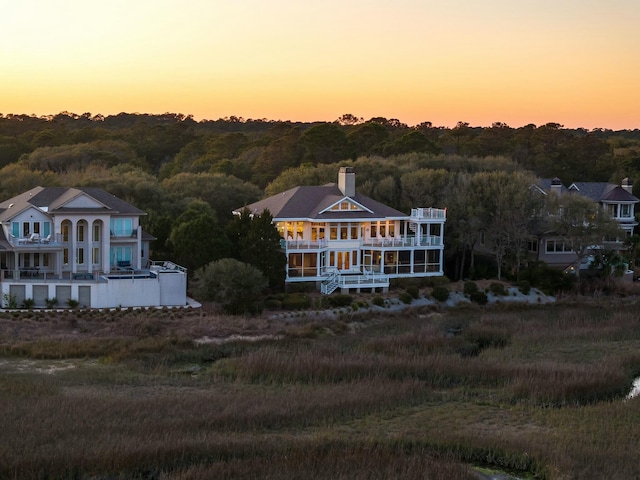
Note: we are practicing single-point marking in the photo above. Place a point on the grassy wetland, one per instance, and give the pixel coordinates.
(538, 392)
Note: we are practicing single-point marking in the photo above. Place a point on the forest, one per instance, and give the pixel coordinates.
(189, 175)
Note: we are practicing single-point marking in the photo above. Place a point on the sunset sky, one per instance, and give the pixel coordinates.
(574, 62)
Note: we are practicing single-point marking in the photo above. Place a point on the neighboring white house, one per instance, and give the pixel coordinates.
(82, 244)
(338, 238)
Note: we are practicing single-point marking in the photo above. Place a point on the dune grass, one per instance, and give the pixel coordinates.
(539, 392)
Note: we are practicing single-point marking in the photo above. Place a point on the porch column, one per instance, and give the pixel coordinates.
(72, 246)
(105, 245)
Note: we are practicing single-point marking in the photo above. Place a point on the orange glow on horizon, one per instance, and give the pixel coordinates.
(416, 60)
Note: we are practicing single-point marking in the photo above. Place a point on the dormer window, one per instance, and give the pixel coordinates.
(344, 206)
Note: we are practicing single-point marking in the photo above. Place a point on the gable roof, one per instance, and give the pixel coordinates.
(596, 191)
(53, 199)
(593, 190)
(313, 202)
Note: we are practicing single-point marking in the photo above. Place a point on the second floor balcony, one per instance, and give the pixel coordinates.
(35, 241)
(394, 242)
(428, 213)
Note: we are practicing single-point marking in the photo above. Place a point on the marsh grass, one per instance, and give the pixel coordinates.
(539, 392)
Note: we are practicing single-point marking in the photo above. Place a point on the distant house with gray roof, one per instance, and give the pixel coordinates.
(84, 245)
(618, 200)
(338, 238)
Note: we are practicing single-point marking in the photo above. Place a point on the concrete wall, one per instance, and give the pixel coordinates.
(168, 289)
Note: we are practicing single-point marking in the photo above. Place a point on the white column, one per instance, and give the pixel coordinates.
(105, 245)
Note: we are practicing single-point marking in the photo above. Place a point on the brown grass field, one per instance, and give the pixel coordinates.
(535, 392)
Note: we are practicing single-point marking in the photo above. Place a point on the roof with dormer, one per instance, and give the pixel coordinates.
(315, 202)
(54, 200)
(601, 192)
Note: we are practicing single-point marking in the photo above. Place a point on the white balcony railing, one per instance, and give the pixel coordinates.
(35, 240)
(429, 213)
(411, 241)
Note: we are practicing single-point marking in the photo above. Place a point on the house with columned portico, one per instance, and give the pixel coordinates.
(82, 244)
(340, 239)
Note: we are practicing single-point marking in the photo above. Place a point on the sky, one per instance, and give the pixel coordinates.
(572, 62)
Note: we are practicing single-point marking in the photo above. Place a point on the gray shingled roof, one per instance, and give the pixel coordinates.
(53, 199)
(307, 202)
(593, 190)
(596, 191)
(618, 194)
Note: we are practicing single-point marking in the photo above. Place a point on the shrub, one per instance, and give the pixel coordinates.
(28, 303)
(51, 302)
(322, 303)
(72, 303)
(272, 303)
(524, 286)
(436, 281)
(413, 291)
(440, 293)
(9, 301)
(378, 301)
(405, 297)
(479, 297)
(237, 286)
(497, 289)
(340, 300)
(549, 280)
(470, 288)
(295, 301)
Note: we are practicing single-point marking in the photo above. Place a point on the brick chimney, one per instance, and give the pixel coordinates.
(347, 181)
(627, 184)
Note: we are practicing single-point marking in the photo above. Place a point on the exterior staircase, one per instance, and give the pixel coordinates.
(331, 283)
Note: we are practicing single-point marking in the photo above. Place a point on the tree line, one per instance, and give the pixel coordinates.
(189, 175)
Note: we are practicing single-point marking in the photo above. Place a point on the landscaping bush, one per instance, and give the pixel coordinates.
(413, 291)
(340, 300)
(28, 303)
(378, 301)
(405, 297)
(436, 281)
(237, 286)
(72, 303)
(51, 302)
(272, 303)
(549, 280)
(440, 293)
(295, 301)
(497, 289)
(479, 297)
(470, 288)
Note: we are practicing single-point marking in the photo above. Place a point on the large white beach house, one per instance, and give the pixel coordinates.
(338, 238)
(82, 245)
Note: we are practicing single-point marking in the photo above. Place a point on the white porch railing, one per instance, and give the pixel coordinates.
(330, 284)
(410, 241)
(303, 244)
(429, 213)
(366, 280)
(36, 241)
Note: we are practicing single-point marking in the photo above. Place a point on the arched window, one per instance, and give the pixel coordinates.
(65, 229)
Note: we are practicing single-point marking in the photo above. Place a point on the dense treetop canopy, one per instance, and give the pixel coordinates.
(166, 164)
